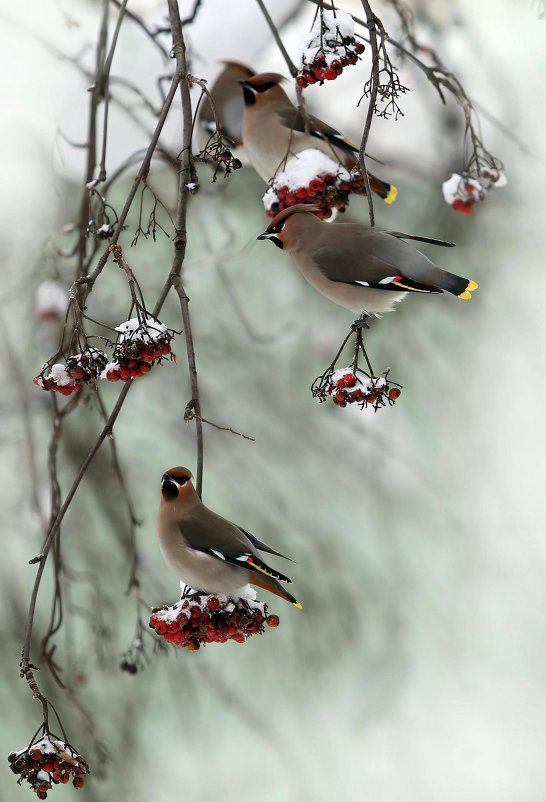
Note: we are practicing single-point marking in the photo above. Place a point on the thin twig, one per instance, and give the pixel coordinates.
(371, 19)
(273, 28)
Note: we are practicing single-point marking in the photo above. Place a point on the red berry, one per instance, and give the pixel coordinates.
(335, 65)
(349, 380)
(125, 373)
(302, 82)
(319, 59)
(41, 794)
(328, 178)
(282, 192)
(357, 395)
(272, 620)
(66, 389)
(240, 638)
(316, 185)
(65, 777)
(310, 78)
(352, 59)
(161, 627)
(76, 373)
(12, 756)
(301, 193)
(49, 766)
(192, 646)
(466, 207)
(330, 74)
(36, 754)
(213, 603)
(113, 375)
(291, 199)
(146, 355)
(319, 73)
(358, 47)
(340, 399)
(78, 782)
(394, 392)
(165, 349)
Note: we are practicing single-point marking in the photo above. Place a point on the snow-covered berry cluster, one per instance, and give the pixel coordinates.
(463, 192)
(349, 385)
(141, 345)
(47, 762)
(80, 369)
(206, 618)
(51, 301)
(310, 177)
(330, 47)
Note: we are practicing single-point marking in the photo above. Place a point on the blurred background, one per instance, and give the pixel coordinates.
(416, 670)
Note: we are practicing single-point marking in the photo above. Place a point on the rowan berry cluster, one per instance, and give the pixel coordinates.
(463, 192)
(83, 368)
(48, 762)
(206, 618)
(311, 177)
(331, 46)
(351, 385)
(141, 345)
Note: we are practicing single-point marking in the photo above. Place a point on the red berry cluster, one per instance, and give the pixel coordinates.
(136, 357)
(210, 619)
(327, 191)
(350, 385)
(327, 64)
(80, 369)
(46, 763)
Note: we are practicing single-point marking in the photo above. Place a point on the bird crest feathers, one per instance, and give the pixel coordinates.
(286, 213)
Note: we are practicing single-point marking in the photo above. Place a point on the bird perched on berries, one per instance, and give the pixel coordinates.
(228, 103)
(273, 129)
(361, 268)
(206, 551)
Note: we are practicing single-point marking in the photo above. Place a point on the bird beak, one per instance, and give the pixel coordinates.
(265, 235)
(166, 478)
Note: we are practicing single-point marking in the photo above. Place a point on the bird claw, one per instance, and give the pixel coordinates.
(361, 323)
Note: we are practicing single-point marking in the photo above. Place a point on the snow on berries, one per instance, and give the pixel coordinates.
(352, 385)
(142, 343)
(330, 46)
(48, 762)
(83, 368)
(51, 301)
(312, 177)
(203, 618)
(463, 192)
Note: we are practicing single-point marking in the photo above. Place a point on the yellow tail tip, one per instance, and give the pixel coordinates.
(391, 197)
(298, 605)
(470, 287)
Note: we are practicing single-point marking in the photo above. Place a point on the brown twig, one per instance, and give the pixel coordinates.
(273, 28)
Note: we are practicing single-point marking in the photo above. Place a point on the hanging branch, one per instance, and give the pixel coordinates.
(371, 19)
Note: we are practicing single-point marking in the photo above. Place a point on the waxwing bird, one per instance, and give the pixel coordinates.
(226, 95)
(206, 551)
(361, 268)
(274, 129)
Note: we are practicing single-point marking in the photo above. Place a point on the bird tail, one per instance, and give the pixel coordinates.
(461, 287)
(382, 188)
(386, 191)
(270, 584)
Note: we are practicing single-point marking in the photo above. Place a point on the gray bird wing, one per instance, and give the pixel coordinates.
(430, 240)
(294, 120)
(369, 257)
(259, 544)
(214, 535)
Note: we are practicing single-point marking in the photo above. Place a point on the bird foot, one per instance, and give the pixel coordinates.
(361, 323)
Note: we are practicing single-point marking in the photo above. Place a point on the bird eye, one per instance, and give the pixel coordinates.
(182, 480)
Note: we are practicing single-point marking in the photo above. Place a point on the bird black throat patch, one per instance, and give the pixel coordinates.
(169, 489)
